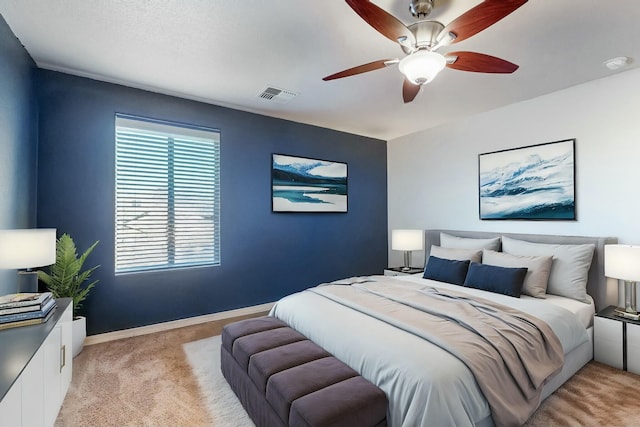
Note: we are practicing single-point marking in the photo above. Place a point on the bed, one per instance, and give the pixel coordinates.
(427, 385)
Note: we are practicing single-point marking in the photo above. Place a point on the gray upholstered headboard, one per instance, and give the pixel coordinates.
(597, 283)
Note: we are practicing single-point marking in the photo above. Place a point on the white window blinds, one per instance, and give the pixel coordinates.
(167, 196)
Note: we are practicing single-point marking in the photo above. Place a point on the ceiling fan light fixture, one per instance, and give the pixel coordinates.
(422, 66)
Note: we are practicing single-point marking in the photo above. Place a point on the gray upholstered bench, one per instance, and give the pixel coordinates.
(284, 379)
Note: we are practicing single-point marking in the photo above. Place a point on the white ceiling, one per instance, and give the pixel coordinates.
(225, 52)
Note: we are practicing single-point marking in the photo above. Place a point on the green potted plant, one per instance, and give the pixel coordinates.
(66, 280)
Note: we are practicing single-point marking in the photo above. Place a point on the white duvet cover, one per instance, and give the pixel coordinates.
(426, 385)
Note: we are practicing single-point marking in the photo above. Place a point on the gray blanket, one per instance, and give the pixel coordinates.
(511, 354)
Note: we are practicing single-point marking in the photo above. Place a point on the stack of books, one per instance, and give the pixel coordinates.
(25, 309)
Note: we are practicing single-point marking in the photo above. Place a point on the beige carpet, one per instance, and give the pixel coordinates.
(598, 395)
(140, 381)
(148, 381)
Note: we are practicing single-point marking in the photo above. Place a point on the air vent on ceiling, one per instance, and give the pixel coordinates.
(277, 95)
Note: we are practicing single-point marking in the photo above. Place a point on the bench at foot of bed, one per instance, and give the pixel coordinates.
(284, 379)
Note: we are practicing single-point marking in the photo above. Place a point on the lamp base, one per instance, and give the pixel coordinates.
(407, 261)
(620, 312)
(630, 297)
(27, 281)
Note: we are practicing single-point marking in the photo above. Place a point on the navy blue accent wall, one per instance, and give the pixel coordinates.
(18, 141)
(265, 255)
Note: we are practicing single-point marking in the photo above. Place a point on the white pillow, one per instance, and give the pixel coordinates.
(570, 268)
(449, 241)
(538, 269)
(456, 254)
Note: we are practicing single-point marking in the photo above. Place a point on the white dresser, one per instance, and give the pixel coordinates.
(35, 370)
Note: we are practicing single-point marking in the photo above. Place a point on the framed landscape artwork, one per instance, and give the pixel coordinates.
(300, 184)
(536, 182)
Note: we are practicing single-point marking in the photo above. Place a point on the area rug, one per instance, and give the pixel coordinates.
(597, 395)
(223, 405)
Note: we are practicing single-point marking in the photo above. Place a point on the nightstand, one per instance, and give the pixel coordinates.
(616, 341)
(398, 271)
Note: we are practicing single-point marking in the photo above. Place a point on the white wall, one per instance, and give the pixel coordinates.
(433, 175)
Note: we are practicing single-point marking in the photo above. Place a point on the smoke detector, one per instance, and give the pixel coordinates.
(617, 63)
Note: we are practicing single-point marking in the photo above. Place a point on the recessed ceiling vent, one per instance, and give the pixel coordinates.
(277, 95)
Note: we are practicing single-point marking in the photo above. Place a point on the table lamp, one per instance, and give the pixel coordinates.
(27, 249)
(623, 262)
(407, 241)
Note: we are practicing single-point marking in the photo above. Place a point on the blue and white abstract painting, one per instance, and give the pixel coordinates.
(300, 184)
(535, 182)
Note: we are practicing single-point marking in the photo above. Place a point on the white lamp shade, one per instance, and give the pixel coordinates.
(407, 240)
(27, 248)
(422, 66)
(622, 262)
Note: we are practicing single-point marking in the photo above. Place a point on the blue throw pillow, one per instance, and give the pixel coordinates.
(446, 270)
(501, 280)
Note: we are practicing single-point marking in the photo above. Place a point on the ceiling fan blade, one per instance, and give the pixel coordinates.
(386, 24)
(479, 18)
(409, 91)
(479, 63)
(371, 66)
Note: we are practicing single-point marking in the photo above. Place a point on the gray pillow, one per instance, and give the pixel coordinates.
(538, 269)
(449, 241)
(570, 268)
(456, 254)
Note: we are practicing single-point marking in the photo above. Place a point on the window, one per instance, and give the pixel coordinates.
(167, 195)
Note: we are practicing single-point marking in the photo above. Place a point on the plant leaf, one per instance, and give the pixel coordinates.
(65, 280)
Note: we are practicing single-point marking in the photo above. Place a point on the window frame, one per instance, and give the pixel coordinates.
(179, 178)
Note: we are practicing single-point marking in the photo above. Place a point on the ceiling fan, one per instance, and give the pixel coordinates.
(421, 40)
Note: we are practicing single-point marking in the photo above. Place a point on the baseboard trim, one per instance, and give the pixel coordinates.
(174, 324)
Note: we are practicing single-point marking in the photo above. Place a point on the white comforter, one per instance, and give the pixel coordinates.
(426, 385)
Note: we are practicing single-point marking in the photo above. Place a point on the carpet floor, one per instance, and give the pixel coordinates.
(162, 380)
(139, 381)
(598, 395)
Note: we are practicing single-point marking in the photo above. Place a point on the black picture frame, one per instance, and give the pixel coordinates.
(304, 184)
(535, 182)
